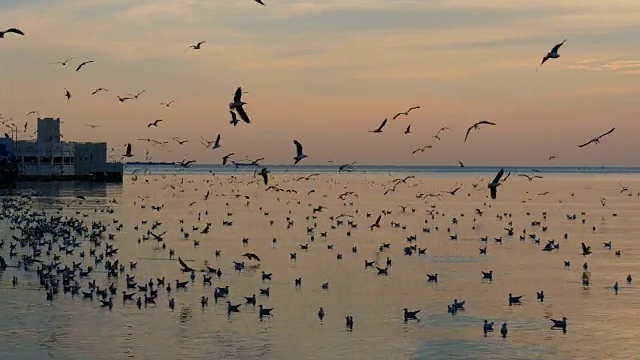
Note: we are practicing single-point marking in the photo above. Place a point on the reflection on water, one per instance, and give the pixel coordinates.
(601, 324)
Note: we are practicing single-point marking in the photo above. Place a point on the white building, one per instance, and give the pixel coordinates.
(52, 158)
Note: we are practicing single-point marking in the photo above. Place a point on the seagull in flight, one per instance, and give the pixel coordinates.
(92, 126)
(237, 105)
(299, 154)
(530, 178)
(493, 185)
(437, 135)
(406, 113)
(11, 30)
(155, 123)
(553, 54)
(379, 129)
(98, 90)
(67, 94)
(196, 46)
(217, 143)
(234, 118)
(34, 113)
(167, 104)
(226, 158)
(123, 99)
(264, 173)
(260, 2)
(408, 130)
(461, 164)
(596, 140)
(83, 64)
(138, 94)
(128, 152)
(552, 157)
(421, 149)
(63, 63)
(476, 126)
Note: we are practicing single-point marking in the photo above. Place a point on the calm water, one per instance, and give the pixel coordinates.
(602, 325)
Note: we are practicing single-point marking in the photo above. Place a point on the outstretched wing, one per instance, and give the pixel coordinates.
(383, 124)
(557, 47)
(498, 176)
(607, 133)
(587, 143)
(184, 265)
(238, 95)
(243, 114)
(298, 147)
(468, 131)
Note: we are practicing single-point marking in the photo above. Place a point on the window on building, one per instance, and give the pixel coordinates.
(45, 160)
(68, 160)
(57, 160)
(30, 159)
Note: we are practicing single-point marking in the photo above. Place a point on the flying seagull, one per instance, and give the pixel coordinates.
(264, 173)
(408, 130)
(553, 54)
(226, 158)
(123, 99)
(234, 118)
(83, 64)
(476, 126)
(379, 129)
(260, 2)
(63, 63)
(596, 140)
(422, 149)
(155, 123)
(217, 143)
(493, 185)
(98, 90)
(11, 30)
(67, 94)
(237, 105)
(299, 154)
(128, 152)
(196, 46)
(461, 164)
(552, 157)
(167, 104)
(406, 112)
(530, 178)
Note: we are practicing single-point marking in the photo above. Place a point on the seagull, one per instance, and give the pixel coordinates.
(406, 112)
(260, 2)
(461, 164)
(196, 46)
(33, 113)
(155, 123)
(137, 95)
(408, 130)
(226, 158)
(234, 118)
(92, 126)
(83, 64)
(379, 129)
(167, 104)
(264, 173)
(552, 157)
(553, 54)
(251, 256)
(128, 152)
(67, 94)
(123, 99)
(421, 149)
(63, 63)
(11, 30)
(596, 140)
(493, 185)
(476, 126)
(530, 178)
(237, 105)
(299, 154)
(98, 90)
(217, 143)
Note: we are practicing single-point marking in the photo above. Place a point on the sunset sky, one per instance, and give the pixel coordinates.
(325, 72)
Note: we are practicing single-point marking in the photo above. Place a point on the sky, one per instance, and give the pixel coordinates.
(325, 72)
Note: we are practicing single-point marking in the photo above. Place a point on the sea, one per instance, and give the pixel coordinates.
(304, 206)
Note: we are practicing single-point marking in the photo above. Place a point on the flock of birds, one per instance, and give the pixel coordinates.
(65, 251)
(239, 114)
